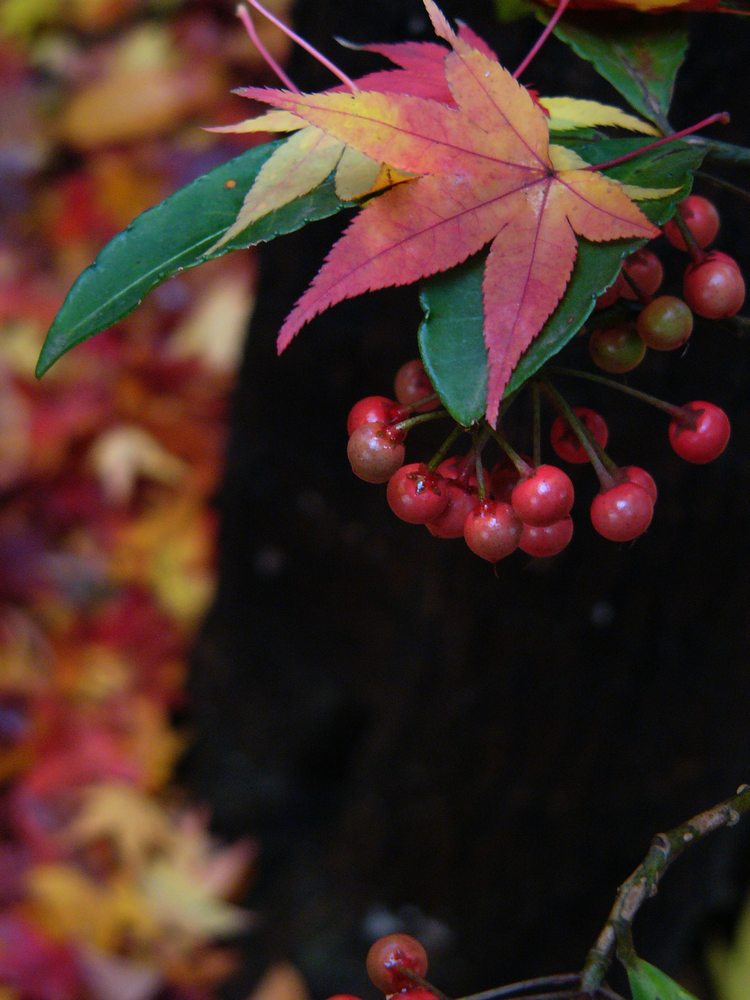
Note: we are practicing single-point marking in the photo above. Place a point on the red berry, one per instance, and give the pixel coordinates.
(503, 480)
(375, 452)
(371, 410)
(616, 349)
(417, 495)
(412, 384)
(714, 288)
(701, 218)
(703, 437)
(492, 530)
(646, 271)
(389, 956)
(623, 512)
(543, 497)
(563, 439)
(546, 540)
(611, 295)
(458, 467)
(461, 502)
(634, 474)
(665, 323)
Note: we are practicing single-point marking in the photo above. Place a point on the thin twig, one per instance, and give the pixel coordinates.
(719, 182)
(644, 881)
(567, 984)
(723, 152)
(561, 981)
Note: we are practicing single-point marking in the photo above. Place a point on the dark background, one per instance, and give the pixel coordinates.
(417, 742)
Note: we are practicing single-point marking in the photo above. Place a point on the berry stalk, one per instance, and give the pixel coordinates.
(606, 479)
(680, 412)
(444, 448)
(697, 255)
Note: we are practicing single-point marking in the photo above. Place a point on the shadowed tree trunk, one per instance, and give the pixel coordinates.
(420, 744)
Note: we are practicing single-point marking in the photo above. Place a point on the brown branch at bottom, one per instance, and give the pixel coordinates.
(644, 883)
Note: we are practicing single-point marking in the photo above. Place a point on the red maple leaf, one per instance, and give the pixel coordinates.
(485, 173)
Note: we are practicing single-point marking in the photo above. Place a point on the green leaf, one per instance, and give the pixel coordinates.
(171, 237)
(638, 55)
(451, 339)
(649, 983)
(507, 11)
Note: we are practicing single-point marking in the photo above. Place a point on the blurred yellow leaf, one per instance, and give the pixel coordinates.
(106, 914)
(282, 981)
(190, 910)
(214, 330)
(169, 550)
(123, 455)
(19, 18)
(135, 823)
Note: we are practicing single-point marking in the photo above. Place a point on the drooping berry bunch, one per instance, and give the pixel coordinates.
(713, 288)
(519, 502)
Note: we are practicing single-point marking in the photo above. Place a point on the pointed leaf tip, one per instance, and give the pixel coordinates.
(439, 22)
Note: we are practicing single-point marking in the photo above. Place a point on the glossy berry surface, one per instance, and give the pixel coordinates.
(564, 441)
(416, 495)
(461, 502)
(412, 384)
(492, 530)
(645, 270)
(389, 956)
(665, 323)
(622, 513)
(375, 452)
(702, 219)
(616, 349)
(547, 540)
(704, 437)
(635, 474)
(371, 410)
(544, 497)
(714, 288)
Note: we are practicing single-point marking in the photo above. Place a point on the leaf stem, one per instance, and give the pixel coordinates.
(548, 29)
(720, 116)
(247, 22)
(332, 67)
(644, 882)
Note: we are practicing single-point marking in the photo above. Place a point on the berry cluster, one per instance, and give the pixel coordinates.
(713, 288)
(396, 963)
(517, 503)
